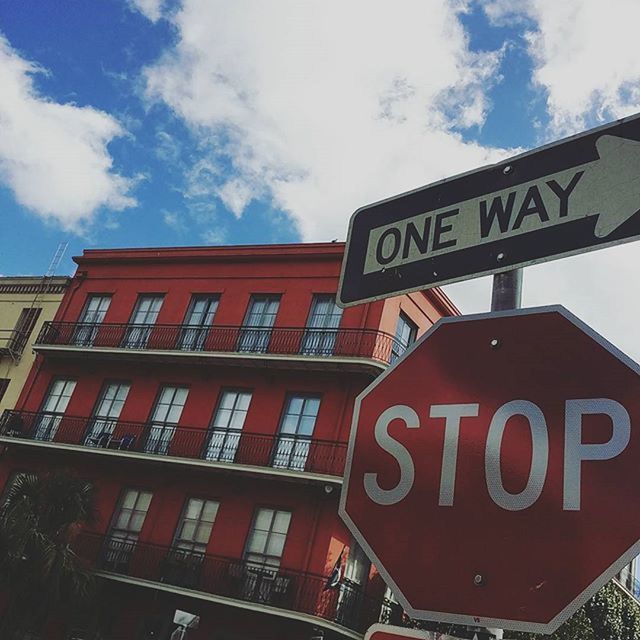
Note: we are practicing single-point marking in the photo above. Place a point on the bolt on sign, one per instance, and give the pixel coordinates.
(492, 472)
(575, 195)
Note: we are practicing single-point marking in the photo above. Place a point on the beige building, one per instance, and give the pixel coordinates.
(25, 304)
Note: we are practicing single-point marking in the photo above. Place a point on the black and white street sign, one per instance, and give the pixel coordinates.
(573, 196)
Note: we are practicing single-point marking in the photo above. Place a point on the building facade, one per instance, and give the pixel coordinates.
(26, 303)
(207, 394)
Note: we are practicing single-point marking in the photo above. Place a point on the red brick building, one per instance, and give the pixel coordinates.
(207, 393)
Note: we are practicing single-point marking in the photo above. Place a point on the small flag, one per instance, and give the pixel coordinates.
(334, 578)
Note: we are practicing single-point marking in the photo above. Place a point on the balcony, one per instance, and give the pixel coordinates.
(234, 582)
(290, 347)
(290, 456)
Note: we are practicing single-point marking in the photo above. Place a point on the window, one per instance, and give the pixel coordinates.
(406, 332)
(265, 544)
(199, 318)
(322, 326)
(194, 528)
(142, 320)
(268, 534)
(93, 314)
(53, 408)
(256, 329)
(106, 413)
(21, 332)
(125, 528)
(184, 561)
(296, 429)
(4, 385)
(356, 572)
(226, 426)
(164, 419)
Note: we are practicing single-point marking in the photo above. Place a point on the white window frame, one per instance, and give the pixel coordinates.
(197, 323)
(322, 327)
(227, 424)
(255, 333)
(405, 335)
(293, 444)
(93, 313)
(106, 413)
(53, 408)
(143, 320)
(161, 430)
(121, 540)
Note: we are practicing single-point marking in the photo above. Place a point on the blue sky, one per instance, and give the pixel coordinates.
(151, 122)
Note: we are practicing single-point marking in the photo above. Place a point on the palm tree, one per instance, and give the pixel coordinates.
(39, 571)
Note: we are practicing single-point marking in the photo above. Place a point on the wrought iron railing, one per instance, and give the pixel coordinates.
(278, 451)
(233, 578)
(361, 343)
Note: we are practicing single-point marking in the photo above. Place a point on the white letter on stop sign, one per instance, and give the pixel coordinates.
(398, 451)
(575, 451)
(539, 459)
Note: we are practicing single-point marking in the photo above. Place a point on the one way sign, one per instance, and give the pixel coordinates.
(576, 195)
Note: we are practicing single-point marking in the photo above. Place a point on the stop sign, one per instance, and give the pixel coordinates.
(492, 473)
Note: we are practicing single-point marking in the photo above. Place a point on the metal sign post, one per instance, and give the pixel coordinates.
(507, 290)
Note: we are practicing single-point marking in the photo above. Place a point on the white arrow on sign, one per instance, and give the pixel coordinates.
(608, 188)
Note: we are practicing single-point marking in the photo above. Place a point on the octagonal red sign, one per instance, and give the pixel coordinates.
(492, 473)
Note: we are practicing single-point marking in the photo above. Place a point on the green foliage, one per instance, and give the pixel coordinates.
(39, 571)
(610, 615)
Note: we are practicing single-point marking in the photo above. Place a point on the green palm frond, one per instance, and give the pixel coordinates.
(38, 518)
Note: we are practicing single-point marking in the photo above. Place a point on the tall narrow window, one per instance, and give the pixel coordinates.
(268, 534)
(21, 332)
(406, 332)
(200, 314)
(322, 326)
(53, 408)
(106, 414)
(262, 555)
(227, 424)
(93, 314)
(256, 329)
(296, 429)
(125, 528)
(164, 419)
(142, 320)
(194, 529)
(184, 561)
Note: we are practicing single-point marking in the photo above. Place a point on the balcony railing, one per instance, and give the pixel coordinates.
(298, 341)
(232, 578)
(229, 446)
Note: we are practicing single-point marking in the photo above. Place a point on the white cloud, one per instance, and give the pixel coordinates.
(585, 55)
(323, 107)
(175, 221)
(53, 156)
(151, 9)
(215, 236)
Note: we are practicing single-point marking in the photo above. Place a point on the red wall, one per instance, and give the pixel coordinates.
(316, 534)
